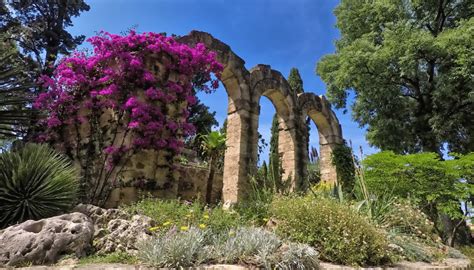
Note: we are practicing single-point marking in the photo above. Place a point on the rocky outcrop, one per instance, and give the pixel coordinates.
(123, 235)
(43, 241)
(115, 230)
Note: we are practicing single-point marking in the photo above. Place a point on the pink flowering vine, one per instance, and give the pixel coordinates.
(145, 81)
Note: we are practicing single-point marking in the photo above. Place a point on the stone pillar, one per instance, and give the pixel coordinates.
(327, 144)
(288, 153)
(237, 156)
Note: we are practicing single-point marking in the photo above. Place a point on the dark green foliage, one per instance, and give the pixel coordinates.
(35, 182)
(295, 81)
(39, 27)
(203, 120)
(342, 159)
(339, 233)
(15, 82)
(410, 65)
(274, 161)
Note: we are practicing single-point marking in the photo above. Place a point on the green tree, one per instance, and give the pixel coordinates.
(410, 64)
(274, 162)
(213, 145)
(39, 28)
(295, 81)
(203, 120)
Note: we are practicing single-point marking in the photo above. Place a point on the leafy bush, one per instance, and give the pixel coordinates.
(336, 230)
(405, 218)
(423, 177)
(35, 182)
(342, 159)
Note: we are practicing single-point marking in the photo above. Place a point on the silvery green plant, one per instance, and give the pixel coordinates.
(175, 248)
(298, 256)
(244, 243)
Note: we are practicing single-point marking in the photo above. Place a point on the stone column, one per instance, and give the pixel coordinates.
(288, 153)
(237, 156)
(327, 143)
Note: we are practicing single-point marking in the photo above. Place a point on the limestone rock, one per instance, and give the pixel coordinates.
(124, 235)
(115, 230)
(43, 241)
(100, 216)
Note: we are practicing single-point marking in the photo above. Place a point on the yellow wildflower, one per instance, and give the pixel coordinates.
(152, 229)
(167, 223)
(202, 226)
(206, 216)
(231, 233)
(188, 215)
(184, 228)
(265, 219)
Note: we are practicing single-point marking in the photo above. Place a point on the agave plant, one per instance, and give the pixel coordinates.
(35, 182)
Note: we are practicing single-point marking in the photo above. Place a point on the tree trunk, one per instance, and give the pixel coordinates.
(210, 180)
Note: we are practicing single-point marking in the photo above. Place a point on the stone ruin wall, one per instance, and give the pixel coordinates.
(244, 89)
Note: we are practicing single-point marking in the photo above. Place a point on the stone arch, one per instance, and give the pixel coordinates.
(271, 84)
(244, 90)
(329, 130)
(240, 115)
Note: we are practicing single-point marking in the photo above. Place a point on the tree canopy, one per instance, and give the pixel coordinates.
(410, 64)
(39, 28)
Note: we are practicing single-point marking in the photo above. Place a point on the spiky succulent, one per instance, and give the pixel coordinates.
(35, 182)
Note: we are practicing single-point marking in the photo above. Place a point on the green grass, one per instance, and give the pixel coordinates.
(115, 257)
(468, 251)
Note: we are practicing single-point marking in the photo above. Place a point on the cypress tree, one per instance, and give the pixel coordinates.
(295, 81)
(274, 173)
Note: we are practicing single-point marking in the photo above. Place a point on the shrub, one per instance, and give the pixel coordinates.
(404, 217)
(245, 243)
(35, 182)
(336, 230)
(298, 256)
(411, 248)
(249, 245)
(175, 249)
(432, 183)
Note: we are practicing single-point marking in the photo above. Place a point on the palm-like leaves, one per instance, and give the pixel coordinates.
(15, 82)
(213, 145)
(35, 182)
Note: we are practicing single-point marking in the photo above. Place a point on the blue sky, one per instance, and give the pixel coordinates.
(280, 33)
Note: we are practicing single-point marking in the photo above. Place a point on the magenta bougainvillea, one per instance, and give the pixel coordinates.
(143, 80)
(109, 78)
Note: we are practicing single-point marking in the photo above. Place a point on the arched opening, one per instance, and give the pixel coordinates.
(272, 85)
(329, 132)
(244, 90)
